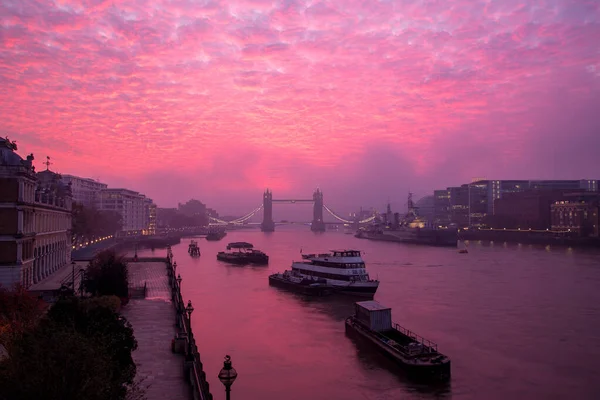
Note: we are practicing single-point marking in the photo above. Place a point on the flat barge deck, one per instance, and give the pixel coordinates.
(417, 355)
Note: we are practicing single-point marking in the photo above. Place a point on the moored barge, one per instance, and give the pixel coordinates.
(418, 356)
(303, 285)
(194, 249)
(245, 254)
(216, 235)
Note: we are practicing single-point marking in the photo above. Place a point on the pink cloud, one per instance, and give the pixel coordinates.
(292, 94)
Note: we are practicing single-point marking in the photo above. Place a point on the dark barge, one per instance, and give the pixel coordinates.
(418, 356)
(245, 254)
(301, 285)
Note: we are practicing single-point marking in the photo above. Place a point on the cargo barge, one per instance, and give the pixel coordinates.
(418, 356)
(216, 235)
(302, 285)
(245, 254)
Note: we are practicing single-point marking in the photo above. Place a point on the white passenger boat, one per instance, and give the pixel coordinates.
(344, 271)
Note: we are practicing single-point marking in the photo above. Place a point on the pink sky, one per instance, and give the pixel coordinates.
(218, 100)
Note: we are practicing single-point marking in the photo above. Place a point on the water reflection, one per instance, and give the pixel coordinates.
(371, 360)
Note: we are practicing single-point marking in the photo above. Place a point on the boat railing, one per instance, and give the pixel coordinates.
(427, 344)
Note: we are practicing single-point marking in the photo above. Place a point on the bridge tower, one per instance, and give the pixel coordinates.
(317, 225)
(267, 225)
(356, 223)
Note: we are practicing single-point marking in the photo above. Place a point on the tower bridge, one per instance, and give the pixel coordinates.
(268, 224)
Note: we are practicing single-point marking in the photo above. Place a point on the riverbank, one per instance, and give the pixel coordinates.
(529, 237)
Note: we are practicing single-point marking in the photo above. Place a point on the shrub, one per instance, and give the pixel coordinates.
(107, 275)
(111, 302)
(53, 362)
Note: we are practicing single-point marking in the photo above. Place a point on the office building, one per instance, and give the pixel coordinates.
(136, 210)
(441, 207)
(473, 204)
(150, 209)
(86, 191)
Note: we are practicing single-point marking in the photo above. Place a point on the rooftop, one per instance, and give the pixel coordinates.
(372, 305)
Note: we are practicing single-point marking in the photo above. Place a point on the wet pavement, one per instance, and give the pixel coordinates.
(153, 321)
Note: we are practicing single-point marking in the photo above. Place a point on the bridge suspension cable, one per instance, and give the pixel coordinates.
(345, 220)
(238, 220)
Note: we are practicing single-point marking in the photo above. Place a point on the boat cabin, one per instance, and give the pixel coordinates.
(240, 245)
(345, 253)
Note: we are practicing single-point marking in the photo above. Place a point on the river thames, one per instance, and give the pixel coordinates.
(517, 321)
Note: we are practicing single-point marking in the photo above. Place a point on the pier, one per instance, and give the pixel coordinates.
(168, 359)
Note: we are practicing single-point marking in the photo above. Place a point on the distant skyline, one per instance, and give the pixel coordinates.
(218, 100)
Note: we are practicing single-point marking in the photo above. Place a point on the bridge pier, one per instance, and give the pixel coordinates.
(267, 224)
(318, 225)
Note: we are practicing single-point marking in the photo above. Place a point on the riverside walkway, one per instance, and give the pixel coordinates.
(153, 321)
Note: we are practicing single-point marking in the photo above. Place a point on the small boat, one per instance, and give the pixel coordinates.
(194, 249)
(308, 286)
(216, 235)
(245, 254)
(463, 248)
(420, 357)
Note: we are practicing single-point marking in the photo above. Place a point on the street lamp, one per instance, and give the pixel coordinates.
(81, 272)
(189, 310)
(179, 282)
(174, 267)
(227, 376)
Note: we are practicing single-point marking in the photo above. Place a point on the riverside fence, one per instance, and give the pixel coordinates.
(184, 341)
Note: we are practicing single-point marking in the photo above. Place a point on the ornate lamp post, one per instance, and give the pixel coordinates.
(81, 272)
(178, 282)
(227, 376)
(189, 310)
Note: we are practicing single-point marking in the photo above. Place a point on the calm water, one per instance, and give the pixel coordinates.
(518, 322)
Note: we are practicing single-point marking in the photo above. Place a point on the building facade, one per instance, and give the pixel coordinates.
(577, 213)
(85, 191)
(441, 207)
(497, 190)
(473, 204)
(590, 185)
(35, 220)
(529, 209)
(150, 209)
(425, 208)
(138, 213)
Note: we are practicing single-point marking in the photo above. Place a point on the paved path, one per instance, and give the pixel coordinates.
(53, 281)
(88, 252)
(153, 321)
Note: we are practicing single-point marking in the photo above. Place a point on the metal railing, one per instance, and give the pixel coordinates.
(407, 350)
(72, 278)
(418, 338)
(196, 374)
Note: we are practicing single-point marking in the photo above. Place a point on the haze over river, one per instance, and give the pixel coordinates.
(518, 321)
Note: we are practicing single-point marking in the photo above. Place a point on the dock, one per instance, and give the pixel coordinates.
(168, 363)
(152, 319)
